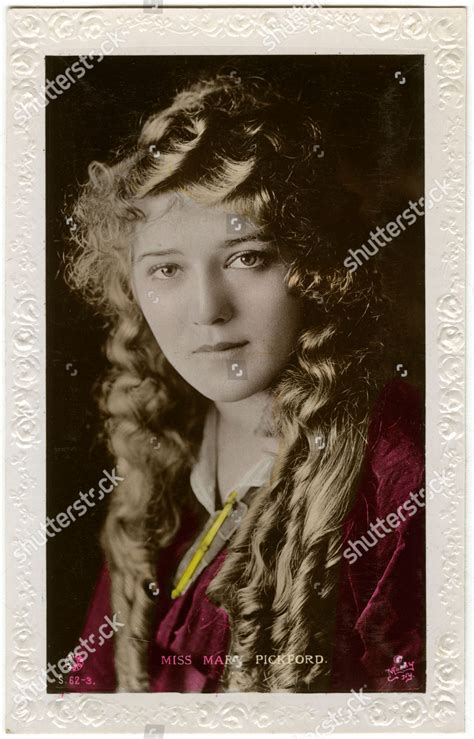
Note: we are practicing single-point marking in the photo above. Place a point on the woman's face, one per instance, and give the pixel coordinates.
(213, 296)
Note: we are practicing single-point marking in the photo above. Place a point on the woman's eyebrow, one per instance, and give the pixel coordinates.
(246, 237)
(225, 245)
(158, 253)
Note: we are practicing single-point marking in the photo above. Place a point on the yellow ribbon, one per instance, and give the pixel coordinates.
(204, 545)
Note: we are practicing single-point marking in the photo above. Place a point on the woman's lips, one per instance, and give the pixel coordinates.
(221, 348)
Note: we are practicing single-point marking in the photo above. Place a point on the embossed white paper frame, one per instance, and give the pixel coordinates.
(437, 33)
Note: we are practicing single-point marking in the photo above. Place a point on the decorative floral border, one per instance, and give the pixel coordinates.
(439, 33)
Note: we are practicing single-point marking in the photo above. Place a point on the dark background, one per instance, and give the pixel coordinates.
(377, 127)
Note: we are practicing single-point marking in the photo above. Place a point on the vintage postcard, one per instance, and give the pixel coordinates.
(235, 383)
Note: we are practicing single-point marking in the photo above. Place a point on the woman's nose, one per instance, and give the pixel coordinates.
(213, 303)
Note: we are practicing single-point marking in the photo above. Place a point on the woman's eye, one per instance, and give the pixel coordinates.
(249, 259)
(163, 271)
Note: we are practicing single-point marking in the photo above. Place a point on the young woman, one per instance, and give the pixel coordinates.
(248, 411)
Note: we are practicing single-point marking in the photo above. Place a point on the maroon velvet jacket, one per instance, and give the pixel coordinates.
(381, 606)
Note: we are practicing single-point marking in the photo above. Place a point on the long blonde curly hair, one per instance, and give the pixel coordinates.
(241, 143)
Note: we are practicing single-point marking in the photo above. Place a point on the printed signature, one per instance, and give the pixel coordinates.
(401, 669)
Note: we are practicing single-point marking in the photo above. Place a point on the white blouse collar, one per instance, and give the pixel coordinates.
(203, 474)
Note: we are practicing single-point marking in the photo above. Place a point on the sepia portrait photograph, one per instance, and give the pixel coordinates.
(238, 356)
(260, 410)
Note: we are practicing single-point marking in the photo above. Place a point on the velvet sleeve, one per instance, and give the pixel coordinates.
(382, 590)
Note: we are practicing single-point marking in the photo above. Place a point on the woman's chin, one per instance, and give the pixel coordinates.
(227, 391)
